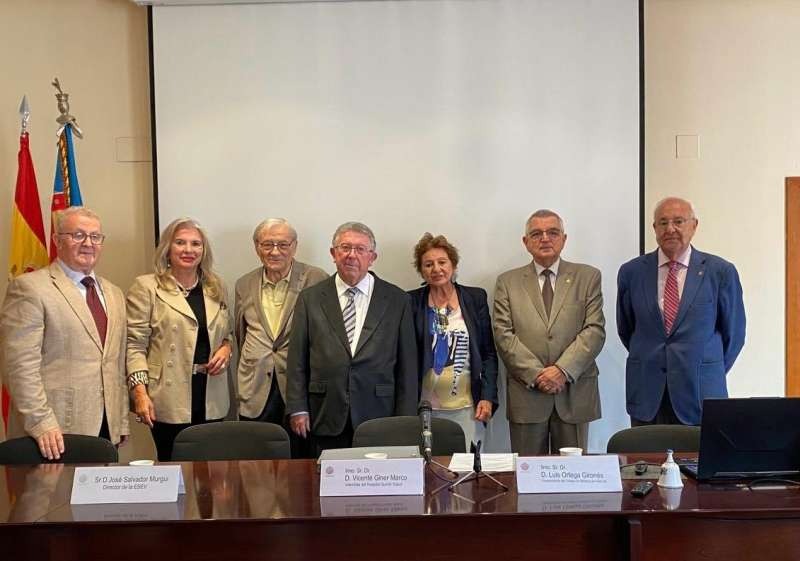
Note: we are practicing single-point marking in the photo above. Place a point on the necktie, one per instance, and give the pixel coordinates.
(547, 291)
(349, 314)
(96, 307)
(671, 298)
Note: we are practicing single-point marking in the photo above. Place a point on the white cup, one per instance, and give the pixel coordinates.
(376, 455)
(570, 451)
(141, 463)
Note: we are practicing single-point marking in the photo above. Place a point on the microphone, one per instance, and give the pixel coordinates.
(424, 413)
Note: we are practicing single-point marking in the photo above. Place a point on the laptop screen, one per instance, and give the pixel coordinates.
(749, 437)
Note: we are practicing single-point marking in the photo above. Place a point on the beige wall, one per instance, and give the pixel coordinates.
(98, 49)
(728, 71)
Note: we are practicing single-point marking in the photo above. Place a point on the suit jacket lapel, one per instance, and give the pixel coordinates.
(76, 301)
(694, 278)
(467, 308)
(333, 311)
(212, 310)
(421, 326)
(377, 307)
(111, 310)
(177, 302)
(530, 282)
(564, 280)
(651, 288)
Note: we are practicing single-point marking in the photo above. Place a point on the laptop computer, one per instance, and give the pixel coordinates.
(745, 438)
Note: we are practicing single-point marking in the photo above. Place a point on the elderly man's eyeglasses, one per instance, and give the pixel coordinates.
(283, 247)
(345, 248)
(539, 235)
(80, 237)
(678, 223)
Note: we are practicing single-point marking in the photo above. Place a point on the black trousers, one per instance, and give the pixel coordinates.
(164, 433)
(341, 440)
(275, 412)
(104, 432)
(664, 416)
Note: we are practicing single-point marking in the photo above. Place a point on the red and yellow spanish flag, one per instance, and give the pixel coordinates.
(28, 248)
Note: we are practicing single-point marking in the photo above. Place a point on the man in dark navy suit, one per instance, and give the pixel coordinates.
(680, 315)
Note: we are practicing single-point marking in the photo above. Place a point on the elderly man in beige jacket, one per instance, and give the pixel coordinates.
(62, 330)
(264, 307)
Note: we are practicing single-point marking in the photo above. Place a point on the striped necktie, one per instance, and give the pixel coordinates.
(671, 297)
(349, 314)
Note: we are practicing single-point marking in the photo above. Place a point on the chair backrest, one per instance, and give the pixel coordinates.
(655, 438)
(448, 437)
(232, 440)
(78, 449)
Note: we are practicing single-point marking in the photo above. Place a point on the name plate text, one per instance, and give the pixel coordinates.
(126, 484)
(348, 478)
(568, 474)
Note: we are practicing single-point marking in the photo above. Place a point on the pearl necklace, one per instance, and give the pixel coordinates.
(186, 290)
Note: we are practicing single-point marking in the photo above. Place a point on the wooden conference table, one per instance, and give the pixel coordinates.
(250, 510)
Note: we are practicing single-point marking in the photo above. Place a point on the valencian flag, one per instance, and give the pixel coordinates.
(28, 250)
(66, 190)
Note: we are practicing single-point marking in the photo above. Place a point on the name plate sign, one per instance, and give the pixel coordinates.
(568, 474)
(349, 478)
(126, 484)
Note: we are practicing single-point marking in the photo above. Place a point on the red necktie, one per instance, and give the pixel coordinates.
(671, 297)
(96, 307)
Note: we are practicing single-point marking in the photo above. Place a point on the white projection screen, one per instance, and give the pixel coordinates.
(458, 117)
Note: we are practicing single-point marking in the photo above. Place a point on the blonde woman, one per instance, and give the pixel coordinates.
(179, 338)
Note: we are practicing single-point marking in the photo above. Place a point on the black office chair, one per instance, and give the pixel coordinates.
(78, 449)
(448, 437)
(232, 440)
(655, 438)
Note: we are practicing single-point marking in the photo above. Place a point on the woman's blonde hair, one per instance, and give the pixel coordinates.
(212, 285)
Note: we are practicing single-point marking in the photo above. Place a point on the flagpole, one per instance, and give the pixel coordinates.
(66, 190)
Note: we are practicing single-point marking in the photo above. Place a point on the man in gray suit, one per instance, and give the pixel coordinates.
(62, 338)
(263, 308)
(549, 328)
(352, 354)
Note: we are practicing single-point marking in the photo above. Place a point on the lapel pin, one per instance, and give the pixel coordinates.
(700, 273)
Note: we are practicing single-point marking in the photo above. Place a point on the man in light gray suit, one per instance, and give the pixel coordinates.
(62, 331)
(263, 308)
(352, 354)
(549, 328)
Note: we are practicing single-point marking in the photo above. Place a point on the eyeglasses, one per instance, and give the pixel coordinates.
(345, 248)
(283, 247)
(539, 235)
(678, 223)
(80, 237)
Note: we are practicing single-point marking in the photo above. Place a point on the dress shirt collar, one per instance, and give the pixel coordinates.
(76, 276)
(364, 286)
(553, 268)
(265, 280)
(683, 258)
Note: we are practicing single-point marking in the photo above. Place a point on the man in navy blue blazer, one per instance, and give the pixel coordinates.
(680, 315)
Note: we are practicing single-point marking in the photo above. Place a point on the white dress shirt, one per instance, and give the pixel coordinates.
(553, 269)
(77, 276)
(361, 300)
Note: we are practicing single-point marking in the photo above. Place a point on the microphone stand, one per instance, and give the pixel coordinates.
(477, 473)
(430, 463)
